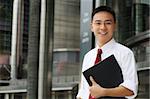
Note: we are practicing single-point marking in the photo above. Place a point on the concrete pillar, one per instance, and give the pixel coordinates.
(12, 96)
(14, 38)
(100, 2)
(46, 49)
(6, 96)
(42, 64)
(69, 94)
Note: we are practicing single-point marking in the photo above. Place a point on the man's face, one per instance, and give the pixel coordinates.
(103, 26)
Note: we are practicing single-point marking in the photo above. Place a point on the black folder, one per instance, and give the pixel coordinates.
(106, 73)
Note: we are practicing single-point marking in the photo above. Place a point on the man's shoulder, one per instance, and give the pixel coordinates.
(123, 48)
(90, 52)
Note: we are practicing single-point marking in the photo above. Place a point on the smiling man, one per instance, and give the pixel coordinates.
(103, 25)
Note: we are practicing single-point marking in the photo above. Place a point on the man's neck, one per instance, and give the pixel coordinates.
(101, 44)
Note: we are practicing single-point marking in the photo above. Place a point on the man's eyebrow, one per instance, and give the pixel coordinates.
(103, 21)
(108, 21)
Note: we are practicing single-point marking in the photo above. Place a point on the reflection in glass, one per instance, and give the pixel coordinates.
(140, 17)
(5, 38)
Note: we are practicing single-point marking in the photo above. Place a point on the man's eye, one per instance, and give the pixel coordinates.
(97, 23)
(108, 23)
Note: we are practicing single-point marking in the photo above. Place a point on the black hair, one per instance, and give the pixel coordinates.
(104, 9)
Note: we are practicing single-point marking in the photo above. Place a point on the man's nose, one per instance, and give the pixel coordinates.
(103, 26)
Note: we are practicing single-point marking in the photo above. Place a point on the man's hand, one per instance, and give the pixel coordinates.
(96, 90)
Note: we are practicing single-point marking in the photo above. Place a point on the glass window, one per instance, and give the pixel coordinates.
(23, 42)
(1, 96)
(61, 95)
(66, 37)
(142, 54)
(140, 17)
(5, 38)
(6, 10)
(20, 96)
(66, 63)
(124, 18)
(144, 89)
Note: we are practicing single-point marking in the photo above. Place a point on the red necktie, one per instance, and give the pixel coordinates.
(98, 59)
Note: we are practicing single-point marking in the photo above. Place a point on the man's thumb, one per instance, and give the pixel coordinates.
(92, 80)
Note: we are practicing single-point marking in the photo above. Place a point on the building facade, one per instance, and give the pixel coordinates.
(5, 37)
(66, 49)
(68, 40)
(64, 40)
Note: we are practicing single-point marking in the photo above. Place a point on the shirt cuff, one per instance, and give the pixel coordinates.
(82, 94)
(131, 86)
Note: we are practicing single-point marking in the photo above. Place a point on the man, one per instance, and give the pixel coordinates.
(103, 25)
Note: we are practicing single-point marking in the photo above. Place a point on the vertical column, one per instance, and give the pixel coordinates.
(85, 32)
(19, 41)
(45, 49)
(97, 3)
(14, 38)
(33, 49)
(42, 64)
(6, 96)
(70, 95)
(53, 95)
(86, 7)
(12, 96)
(100, 2)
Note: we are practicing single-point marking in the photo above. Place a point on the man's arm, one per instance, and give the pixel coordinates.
(98, 91)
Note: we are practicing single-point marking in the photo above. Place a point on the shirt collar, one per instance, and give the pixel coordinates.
(107, 46)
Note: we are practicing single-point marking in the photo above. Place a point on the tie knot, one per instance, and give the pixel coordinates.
(99, 51)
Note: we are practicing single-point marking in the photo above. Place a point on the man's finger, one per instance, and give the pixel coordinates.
(92, 80)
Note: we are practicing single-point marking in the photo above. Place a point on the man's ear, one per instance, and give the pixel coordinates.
(91, 26)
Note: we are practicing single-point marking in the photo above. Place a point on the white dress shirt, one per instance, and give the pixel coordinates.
(125, 58)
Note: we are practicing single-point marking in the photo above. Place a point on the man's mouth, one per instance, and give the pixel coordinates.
(103, 33)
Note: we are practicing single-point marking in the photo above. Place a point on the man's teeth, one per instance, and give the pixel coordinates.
(103, 33)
